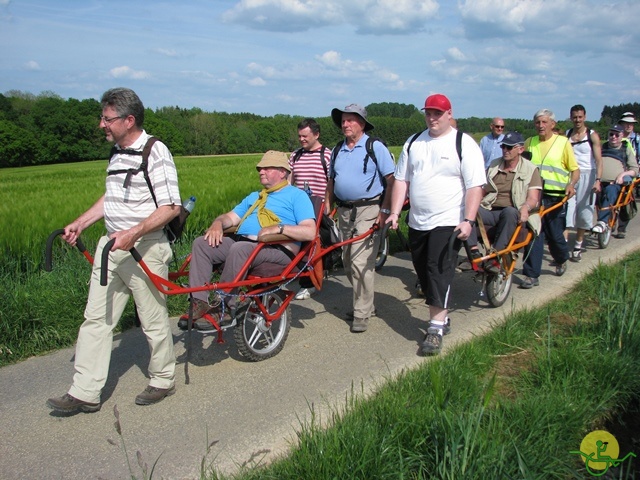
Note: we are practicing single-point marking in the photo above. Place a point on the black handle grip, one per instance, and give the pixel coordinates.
(452, 240)
(48, 263)
(104, 265)
(384, 231)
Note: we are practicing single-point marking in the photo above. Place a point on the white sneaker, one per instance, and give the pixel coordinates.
(600, 227)
(305, 293)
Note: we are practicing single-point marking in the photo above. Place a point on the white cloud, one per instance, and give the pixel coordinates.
(367, 16)
(335, 65)
(128, 72)
(456, 54)
(167, 52)
(257, 82)
(31, 65)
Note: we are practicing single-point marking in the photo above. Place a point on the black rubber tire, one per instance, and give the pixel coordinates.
(604, 238)
(383, 253)
(254, 340)
(498, 288)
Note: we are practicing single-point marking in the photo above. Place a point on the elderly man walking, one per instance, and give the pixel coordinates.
(357, 184)
(553, 155)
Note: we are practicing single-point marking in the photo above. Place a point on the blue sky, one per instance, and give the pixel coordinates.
(303, 57)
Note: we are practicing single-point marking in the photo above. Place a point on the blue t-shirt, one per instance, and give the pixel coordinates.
(290, 204)
(350, 183)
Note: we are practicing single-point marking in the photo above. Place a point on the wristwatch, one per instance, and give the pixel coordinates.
(281, 228)
(386, 211)
(471, 222)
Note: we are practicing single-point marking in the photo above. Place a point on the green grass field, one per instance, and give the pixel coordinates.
(42, 311)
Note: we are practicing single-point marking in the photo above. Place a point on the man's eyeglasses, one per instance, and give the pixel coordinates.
(508, 147)
(615, 134)
(501, 127)
(108, 120)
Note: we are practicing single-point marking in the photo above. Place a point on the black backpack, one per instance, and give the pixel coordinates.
(175, 227)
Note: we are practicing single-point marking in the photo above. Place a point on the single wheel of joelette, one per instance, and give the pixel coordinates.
(604, 237)
(256, 340)
(498, 288)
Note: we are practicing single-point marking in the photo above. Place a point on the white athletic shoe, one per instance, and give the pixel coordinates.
(305, 293)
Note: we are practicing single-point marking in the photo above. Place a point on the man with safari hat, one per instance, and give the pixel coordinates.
(279, 208)
(628, 122)
(360, 171)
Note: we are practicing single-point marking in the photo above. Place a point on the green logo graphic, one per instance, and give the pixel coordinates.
(600, 450)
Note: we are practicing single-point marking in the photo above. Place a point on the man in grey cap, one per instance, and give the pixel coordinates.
(360, 172)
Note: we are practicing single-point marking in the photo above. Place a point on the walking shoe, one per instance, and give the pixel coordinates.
(305, 293)
(561, 268)
(529, 282)
(620, 234)
(350, 315)
(153, 395)
(491, 266)
(576, 255)
(359, 325)
(199, 309)
(446, 330)
(204, 325)
(68, 404)
(432, 343)
(600, 227)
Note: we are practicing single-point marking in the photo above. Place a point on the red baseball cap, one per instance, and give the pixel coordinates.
(437, 102)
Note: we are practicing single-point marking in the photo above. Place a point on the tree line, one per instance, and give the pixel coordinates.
(45, 128)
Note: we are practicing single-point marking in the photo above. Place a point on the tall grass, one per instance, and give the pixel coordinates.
(42, 311)
(511, 404)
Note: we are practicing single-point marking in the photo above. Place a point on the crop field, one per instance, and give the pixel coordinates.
(34, 201)
(42, 311)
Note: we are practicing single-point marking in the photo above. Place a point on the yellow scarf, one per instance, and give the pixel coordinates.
(265, 216)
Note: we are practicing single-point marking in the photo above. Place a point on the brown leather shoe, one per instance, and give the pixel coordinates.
(68, 404)
(153, 395)
(199, 309)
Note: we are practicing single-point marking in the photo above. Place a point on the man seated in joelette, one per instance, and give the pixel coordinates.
(279, 208)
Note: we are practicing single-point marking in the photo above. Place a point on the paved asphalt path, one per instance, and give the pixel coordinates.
(249, 411)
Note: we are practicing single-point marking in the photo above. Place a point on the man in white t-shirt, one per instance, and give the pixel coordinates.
(581, 207)
(444, 184)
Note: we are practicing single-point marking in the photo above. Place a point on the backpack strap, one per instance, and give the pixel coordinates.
(298, 153)
(334, 154)
(144, 165)
(589, 132)
(458, 142)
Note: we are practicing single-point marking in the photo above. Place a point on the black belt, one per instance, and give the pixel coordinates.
(365, 202)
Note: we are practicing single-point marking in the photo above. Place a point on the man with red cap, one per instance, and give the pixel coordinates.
(442, 170)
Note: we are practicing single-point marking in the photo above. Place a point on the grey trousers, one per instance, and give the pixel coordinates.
(233, 254)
